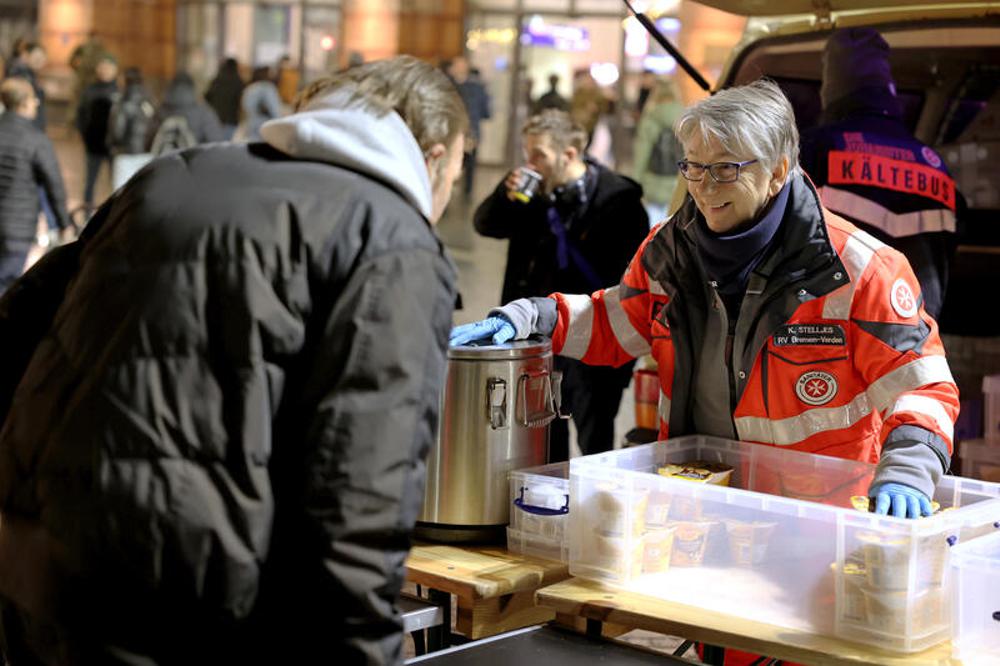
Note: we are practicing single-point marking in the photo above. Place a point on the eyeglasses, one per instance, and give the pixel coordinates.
(722, 172)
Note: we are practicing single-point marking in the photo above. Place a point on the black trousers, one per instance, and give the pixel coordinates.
(591, 394)
(13, 254)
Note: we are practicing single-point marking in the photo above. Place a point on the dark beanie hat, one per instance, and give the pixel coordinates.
(854, 58)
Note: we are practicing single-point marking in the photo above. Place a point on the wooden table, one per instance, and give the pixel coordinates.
(598, 604)
(495, 588)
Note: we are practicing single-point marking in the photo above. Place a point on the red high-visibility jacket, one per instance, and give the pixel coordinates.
(839, 353)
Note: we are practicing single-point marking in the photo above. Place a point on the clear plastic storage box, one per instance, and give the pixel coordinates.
(539, 511)
(780, 544)
(975, 585)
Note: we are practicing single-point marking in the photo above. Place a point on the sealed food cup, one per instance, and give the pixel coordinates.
(658, 510)
(852, 603)
(748, 541)
(619, 554)
(657, 550)
(888, 611)
(690, 540)
(887, 560)
(528, 186)
(620, 511)
(699, 471)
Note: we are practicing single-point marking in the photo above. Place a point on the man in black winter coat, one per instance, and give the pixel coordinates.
(92, 118)
(27, 163)
(217, 404)
(575, 236)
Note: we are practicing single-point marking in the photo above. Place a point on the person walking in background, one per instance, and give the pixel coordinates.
(907, 199)
(218, 404)
(261, 102)
(29, 163)
(182, 121)
(27, 65)
(657, 150)
(576, 234)
(479, 107)
(84, 61)
(92, 116)
(224, 94)
(128, 127)
(286, 79)
(647, 83)
(552, 99)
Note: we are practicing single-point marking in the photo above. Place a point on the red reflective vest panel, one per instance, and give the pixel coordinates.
(845, 369)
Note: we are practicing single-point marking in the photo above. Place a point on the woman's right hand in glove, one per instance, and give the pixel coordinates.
(497, 327)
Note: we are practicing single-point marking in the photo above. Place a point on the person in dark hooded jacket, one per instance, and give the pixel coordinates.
(224, 93)
(869, 168)
(217, 404)
(92, 117)
(181, 102)
(130, 118)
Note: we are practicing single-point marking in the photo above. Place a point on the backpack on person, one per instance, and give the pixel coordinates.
(173, 134)
(665, 154)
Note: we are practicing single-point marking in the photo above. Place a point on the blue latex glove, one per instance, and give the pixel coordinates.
(499, 327)
(900, 500)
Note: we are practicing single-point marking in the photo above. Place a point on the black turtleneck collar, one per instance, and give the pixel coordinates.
(729, 258)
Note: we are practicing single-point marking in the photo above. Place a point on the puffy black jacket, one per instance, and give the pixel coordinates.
(27, 160)
(607, 231)
(217, 406)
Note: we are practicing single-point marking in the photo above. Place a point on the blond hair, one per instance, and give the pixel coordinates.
(14, 92)
(423, 96)
(560, 127)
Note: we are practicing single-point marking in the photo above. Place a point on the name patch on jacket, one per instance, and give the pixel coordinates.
(809, 334)
(856, 168)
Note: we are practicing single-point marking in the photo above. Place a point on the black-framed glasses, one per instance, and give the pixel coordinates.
(722, 172)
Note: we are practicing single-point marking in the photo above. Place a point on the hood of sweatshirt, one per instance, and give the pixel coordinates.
(337, 130)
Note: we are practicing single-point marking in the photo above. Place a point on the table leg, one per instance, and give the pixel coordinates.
(439, 637)
(713, 655)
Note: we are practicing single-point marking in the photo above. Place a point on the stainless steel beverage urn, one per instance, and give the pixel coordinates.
(496, 407)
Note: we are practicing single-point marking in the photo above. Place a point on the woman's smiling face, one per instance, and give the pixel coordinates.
(727, 206)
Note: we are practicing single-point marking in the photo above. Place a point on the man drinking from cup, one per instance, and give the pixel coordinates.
(574, 231)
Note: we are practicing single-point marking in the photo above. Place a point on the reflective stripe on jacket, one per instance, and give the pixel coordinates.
(838, 354)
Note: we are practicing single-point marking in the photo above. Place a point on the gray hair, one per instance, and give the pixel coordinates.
(755, 120)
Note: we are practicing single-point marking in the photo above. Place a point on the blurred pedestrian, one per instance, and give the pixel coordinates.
(84, 61)
(286, 79)
(224, 94)
(128, 127)
(183, 120)
(92, 117)
(27, 65)
(29, 162)
(657, 150)
(479, 107)
(552, 99)
(261, 102)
